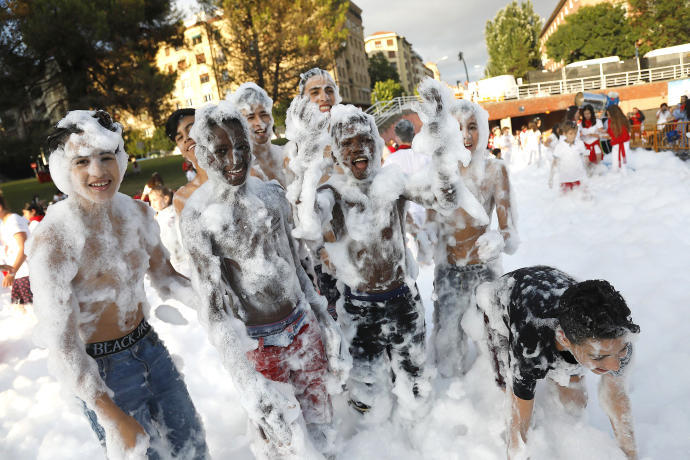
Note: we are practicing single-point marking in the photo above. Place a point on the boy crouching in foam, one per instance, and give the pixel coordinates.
(87, 262)
(236, 229)
(382, 314)
(544, 325)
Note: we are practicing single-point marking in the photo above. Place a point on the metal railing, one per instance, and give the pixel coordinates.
(383, 110)
(603, 81)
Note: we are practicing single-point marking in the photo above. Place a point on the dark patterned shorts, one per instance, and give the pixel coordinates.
(21, 291)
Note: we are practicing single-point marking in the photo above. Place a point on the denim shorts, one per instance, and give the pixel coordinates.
(147, 385)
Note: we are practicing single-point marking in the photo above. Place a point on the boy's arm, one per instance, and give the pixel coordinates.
(339, 359)
(263, 400)
(615, 402)
(53, 266)
(520, 417)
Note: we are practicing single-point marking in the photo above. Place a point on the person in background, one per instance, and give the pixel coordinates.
(680, 113)
(34, 213)
(155, 181)
(637, 123)
(14, 230)
(161, 198)
(619, 133)
(568, 159)
(589, 132)
(663, 116)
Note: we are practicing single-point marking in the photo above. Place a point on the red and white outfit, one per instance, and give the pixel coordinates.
(620, 145)
(588, 131)
(10, 226)
(570, 167)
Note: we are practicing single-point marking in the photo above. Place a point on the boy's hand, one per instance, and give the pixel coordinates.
(303, 118)
(490, 245)
(275, 412)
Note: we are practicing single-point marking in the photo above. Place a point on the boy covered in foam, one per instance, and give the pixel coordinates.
(568, 159)
(236, 229)
(382, 314)
(543, 324)
(467, 249)
(255, 106)
(87, 261)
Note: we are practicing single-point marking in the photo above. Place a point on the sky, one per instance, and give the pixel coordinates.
(438, 28)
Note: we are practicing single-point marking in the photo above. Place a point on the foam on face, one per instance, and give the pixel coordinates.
(316, 72)
(250, 95)
(205, 119)
(93, 138)
(463, 110)
(348, 121)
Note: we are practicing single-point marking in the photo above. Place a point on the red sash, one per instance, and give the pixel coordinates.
(592, 151)
(620, 140)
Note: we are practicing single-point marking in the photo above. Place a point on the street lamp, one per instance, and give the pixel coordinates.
(462, 58)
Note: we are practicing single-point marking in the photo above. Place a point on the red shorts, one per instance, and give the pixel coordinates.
(569, 185)
(302, 364)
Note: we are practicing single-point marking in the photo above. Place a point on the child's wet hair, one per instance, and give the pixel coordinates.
(568, 126)
(404, 129)
(59, 136)
(35, 207)
(163, 191)
(593, 309)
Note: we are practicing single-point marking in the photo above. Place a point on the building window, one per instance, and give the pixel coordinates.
(391, 54)
(170, 69)
(389, 42)
(182, 64)
(208, 98)
(377, 43)
(201, 58)
(185, 84)
(225, 75)
(203, 78)
(196, 39)
(167, 51)
(177, 105)
(189, 103)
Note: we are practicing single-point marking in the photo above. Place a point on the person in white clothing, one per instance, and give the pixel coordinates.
(14, 230)
(590, 130)
(532, 146)
(568, 159)
(161, 198)
(410, 163)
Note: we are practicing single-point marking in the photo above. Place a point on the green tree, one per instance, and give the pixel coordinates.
(138, 144)
(381, 70)
(271, 43)
(386, 90)
(92, 54)
(592, 32)
(660, 23)
(512, 40)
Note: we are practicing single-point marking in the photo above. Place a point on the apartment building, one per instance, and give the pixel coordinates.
(399, 52)
(202, 68)
(351, 72)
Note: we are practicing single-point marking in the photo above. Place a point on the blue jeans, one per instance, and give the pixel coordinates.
(147, 386)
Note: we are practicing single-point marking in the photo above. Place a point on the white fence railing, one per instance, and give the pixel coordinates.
(603, 81)
(383, 110)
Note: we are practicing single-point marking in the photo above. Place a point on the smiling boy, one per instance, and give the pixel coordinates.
(542, 323)
(237, 230)
(87, 262)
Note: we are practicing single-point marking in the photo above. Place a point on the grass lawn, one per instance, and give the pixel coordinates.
(21, 191)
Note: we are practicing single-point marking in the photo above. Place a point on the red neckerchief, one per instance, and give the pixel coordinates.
(587, 124)
(36, 218)
(621, 139)
(404, 146)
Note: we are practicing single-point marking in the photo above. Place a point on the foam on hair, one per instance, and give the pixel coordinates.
(80, 133)
(250, 95)
(462, 109)
(317, 72)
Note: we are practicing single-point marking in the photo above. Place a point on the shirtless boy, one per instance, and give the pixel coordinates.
(542, 323)
(382, 315)
(467, 251)
(177, 128)
(87, 264)
(255, 106)
(237, 230)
